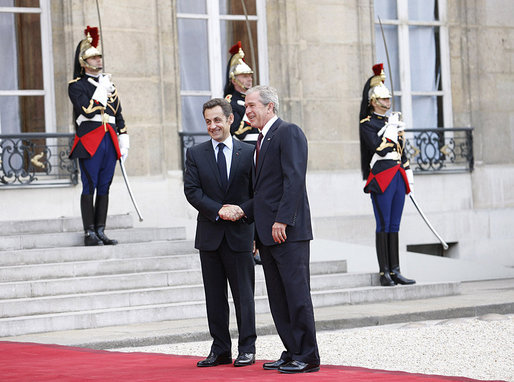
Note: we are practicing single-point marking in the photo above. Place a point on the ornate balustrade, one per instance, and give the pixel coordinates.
(37, 159)
(430, 151)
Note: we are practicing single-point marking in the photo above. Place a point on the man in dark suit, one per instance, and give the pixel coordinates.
(280, 209)
(218, 175)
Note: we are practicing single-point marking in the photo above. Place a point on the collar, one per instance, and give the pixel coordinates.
(228, 142)
(268, 125)
(380, 116)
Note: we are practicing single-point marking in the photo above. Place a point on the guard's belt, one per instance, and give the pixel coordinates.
(393, 155)
(96, 118)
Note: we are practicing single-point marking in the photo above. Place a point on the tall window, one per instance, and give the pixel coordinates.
(206, 31)
(417, 40)
(26, 84)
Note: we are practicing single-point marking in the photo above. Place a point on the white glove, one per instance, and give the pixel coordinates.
(100, 95)
(124, 143)
(391, 132)
(410, 178)
(105, 81)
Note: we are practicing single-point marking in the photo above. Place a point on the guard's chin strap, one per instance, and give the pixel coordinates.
(240, 84)
(381, 104)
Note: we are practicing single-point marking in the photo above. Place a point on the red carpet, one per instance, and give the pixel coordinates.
(34, 362)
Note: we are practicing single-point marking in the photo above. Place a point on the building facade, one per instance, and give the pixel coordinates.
(452, 67)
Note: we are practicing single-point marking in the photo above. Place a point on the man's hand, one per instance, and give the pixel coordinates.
(231, 212)
(278, 231)
(124, 144)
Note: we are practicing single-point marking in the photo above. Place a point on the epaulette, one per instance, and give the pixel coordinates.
(75, 80)
(229, 97)
(366, 119)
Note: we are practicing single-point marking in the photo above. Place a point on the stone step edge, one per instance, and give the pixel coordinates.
(202, 302)
(161, 288)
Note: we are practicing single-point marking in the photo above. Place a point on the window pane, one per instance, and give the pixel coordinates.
(19, 3)
(192, 117)
(193, 54)
(391, 35)
(231, 33)
(188, 6)
(427, 112)
(22, 114)
(424, 59)
(386, 9)
(21, 59)
(423, 10)
(235, 7)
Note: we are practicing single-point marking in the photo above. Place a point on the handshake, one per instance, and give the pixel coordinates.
(231, 212)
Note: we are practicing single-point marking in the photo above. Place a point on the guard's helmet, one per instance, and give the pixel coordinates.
(377, 88)
(236, 66)
(86, 48)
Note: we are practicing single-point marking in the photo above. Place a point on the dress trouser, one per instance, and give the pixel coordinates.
(287, 273)
(239, 269)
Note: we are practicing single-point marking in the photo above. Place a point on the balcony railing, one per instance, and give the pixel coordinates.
(37, 159)
(440, 150)
(430, 151)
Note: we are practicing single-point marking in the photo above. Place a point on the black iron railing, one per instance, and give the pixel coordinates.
(430, 151)
(37, 159)
(440, 150)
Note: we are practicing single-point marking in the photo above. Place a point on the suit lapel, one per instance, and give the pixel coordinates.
(236, 158)
(265, 144)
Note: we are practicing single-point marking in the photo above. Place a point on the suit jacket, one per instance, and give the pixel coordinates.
(279, 190)
(202, 187)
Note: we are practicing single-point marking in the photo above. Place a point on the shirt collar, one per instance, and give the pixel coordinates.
(227, 142)
(268, 125)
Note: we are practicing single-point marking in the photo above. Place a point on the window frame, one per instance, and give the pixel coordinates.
(216, 63)
(48, 91)
(406, 93)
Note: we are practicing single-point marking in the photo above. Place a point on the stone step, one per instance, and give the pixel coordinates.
(72, 239)
(13, 326)
(151, 295)
(96, 267)
(70, 254)
(62, 224)
(185, 273)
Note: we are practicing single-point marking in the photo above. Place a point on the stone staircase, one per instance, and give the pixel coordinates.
(50, 282)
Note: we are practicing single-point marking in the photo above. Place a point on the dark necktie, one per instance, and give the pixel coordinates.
(222, 166)
(258, 148)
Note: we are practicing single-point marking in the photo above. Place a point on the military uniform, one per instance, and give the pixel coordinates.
(100, 136)
(385, 168)
(241, 128)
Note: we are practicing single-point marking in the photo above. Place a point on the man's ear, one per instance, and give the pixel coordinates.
(231, 118)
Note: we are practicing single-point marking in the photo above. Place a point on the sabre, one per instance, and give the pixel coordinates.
(250, 37)
(123, 171)
(388, 63)
(125, 178)
(443, 243)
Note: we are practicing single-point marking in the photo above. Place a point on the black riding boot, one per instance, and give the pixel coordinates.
(88, 216)
(394, 261)
(383, 261)
(101, 205)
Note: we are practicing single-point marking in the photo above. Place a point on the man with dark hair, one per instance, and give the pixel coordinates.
(280, 209)
(217, 179)
(101, 136)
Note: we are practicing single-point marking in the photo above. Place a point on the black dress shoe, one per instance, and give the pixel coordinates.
(274, 365)
(298, 367)
(398, 278)
(244, 359)
(215, 360)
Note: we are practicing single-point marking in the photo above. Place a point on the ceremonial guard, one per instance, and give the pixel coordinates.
(386, 170)
(239, 80)
(101, 136)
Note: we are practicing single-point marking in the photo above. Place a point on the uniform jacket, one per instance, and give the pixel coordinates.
(240, 128)
(279, 188)
(88, 115)
(382, 171)
(202, 187)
